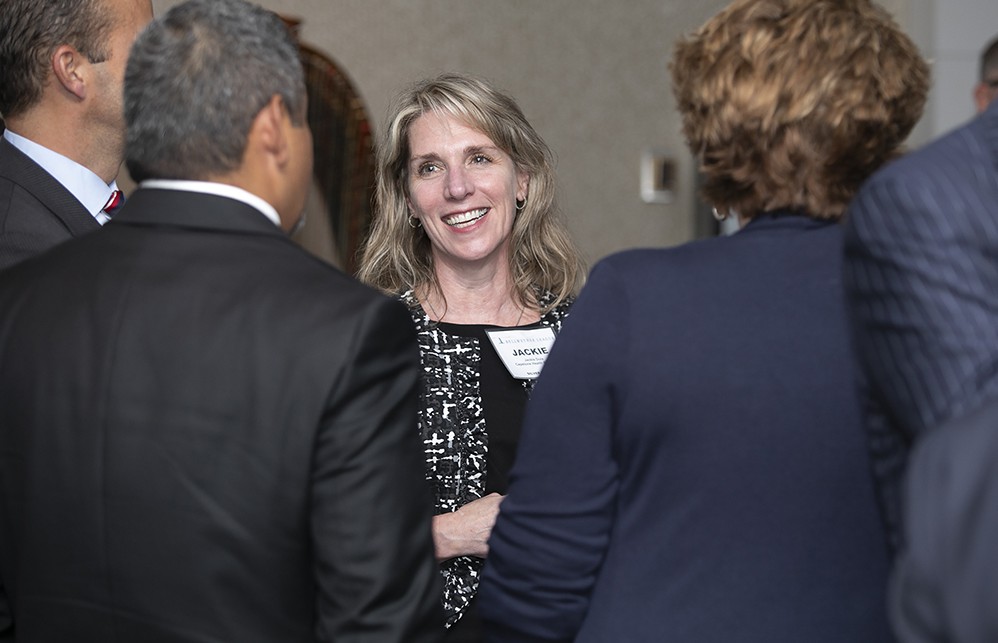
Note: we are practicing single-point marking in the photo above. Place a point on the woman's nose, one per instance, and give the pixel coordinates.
(459, 184)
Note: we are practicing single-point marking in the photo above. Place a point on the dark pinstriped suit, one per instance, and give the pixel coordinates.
(36, 211)
(922, 279)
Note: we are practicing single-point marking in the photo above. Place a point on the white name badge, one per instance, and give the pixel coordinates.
(522, 351)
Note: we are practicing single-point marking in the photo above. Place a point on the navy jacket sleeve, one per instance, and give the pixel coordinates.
(553, 528)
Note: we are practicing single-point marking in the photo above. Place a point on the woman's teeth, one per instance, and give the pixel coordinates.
(465, 219)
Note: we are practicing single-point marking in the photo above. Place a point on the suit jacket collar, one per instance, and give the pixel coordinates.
(20, 169)
(777, 219)
(193, 210)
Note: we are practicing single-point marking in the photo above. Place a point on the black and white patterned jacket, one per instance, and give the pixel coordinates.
(454, 432)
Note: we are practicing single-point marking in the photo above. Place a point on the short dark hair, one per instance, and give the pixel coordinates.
(196, 79)
(31, 30)
(989, 62)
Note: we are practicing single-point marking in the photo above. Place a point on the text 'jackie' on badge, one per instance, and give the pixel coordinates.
(522, 351)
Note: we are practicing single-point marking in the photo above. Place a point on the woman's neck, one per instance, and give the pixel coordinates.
(476, 297)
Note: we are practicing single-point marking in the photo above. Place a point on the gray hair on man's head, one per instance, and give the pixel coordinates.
(197, 77)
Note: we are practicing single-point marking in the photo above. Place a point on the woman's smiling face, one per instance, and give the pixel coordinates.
(463, 189)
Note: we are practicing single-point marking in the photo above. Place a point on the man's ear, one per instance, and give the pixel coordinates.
(982, 96)
(268, 129)
(68, 68)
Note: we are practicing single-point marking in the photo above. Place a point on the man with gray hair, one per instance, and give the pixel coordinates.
(62, 64)
(207, 434)
(987, 87)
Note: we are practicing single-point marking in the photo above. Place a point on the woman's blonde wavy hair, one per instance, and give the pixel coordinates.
(397, 257)
(794, 103)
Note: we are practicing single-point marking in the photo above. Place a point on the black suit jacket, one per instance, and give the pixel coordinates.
(36, 211)
(207, 435)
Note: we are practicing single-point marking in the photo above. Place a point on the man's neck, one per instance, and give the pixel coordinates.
(64, 135)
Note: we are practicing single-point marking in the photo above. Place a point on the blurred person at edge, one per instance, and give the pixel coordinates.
(693, 465)
(467, 233)
(987, 87)
(922, 287)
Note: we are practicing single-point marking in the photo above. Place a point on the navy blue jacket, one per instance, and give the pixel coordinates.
(693, 466)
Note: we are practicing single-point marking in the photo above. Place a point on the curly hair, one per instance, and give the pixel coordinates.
(794, 103)
(397, 257)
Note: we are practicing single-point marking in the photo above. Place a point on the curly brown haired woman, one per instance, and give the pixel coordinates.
(693, 466)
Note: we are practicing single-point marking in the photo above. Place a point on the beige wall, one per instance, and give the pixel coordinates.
(591, 76)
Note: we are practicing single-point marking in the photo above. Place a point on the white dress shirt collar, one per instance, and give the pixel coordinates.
(88, 188)
(218, 189)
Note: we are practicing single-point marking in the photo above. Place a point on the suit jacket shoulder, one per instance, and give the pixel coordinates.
(965, 159)
(765, 243)
(36, 211)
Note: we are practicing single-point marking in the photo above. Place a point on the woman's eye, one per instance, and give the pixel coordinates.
(427, 168)
(480, 158)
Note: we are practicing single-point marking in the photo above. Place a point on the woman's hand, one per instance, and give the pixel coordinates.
(465, 532)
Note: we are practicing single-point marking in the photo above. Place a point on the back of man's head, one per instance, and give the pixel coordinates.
(30, 32)
(987, 86)
(197, 78)
(989, 61)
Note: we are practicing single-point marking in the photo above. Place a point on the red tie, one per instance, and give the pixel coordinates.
(114, 203)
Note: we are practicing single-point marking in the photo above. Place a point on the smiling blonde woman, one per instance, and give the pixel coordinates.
(467, 233)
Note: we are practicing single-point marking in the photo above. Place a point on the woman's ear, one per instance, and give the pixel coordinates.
(522, 186)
